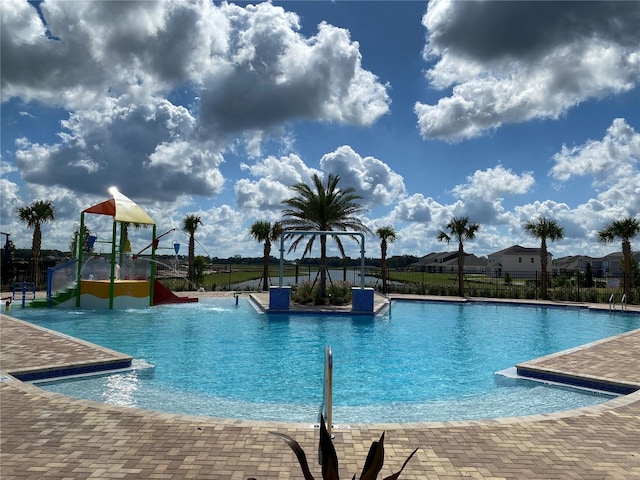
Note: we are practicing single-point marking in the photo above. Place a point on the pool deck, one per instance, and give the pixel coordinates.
(48, 435)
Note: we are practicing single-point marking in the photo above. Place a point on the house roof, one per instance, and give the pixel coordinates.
(517, 250)
(436, 257)
(449, 258)
(572, 262)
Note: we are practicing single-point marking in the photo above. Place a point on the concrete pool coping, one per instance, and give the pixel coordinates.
(44, 434)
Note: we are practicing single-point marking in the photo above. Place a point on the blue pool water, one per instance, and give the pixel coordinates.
(420, 362)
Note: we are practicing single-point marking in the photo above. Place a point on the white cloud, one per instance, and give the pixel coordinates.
(483, 194)
(271, 74)
(494, 183)
(9, 193)
(610, 160)
(150, 148)
(416, 208)
(372, 178)
(288, 170)
(503, 74)
(246, 72)
(261, 196)
(614, 165)
(275, 177)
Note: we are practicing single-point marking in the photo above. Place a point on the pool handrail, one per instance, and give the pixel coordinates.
(612, 303)
(328, 387)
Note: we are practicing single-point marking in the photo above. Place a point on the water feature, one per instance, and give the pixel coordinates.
(420, 362)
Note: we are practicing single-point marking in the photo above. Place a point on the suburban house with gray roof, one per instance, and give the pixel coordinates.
(609, 265)
(516, 260)
(447, 262)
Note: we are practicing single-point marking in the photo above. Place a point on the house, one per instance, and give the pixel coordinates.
(434, 262)
(577, 263)
(612, 264)
(447, 262)
(609, 265)
(516, 259)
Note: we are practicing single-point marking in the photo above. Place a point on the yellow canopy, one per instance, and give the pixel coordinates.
(122, 209)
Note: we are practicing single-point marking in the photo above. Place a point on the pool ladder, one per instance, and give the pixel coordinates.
(623, 302)
(327, 395)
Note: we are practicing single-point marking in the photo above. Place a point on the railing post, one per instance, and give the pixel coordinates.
(328, 387)
(612, 305)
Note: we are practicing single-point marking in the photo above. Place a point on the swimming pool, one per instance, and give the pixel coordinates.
(420, 362)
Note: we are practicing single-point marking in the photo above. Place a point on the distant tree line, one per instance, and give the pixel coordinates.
(394, 262)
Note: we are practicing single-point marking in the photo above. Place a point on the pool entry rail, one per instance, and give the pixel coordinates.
(327, 402)
(612, 302)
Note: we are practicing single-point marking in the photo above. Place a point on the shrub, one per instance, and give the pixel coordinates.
(329, 459)
(303, 293)
(340, 293)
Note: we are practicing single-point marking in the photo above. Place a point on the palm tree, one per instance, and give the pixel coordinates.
(264, 231)
(34, 215)
(190, 224)
(625, 229)
(544, 229)
(386, 235)
(327, 208)
(459, 229)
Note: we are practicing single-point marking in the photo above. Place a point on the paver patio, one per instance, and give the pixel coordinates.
(47, 435)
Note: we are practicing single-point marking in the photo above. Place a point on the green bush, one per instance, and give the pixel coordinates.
(339, 293)
(303, 293)
(329, 459)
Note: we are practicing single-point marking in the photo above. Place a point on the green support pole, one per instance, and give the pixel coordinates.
(153, 265)
(121, 246)
(80, 248)
(112, 286)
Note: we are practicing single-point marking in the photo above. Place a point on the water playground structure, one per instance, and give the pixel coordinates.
(115, 280)
(120, 279)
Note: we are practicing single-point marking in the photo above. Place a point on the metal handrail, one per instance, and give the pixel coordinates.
(623, 302)
(328, 387)
(612, 304)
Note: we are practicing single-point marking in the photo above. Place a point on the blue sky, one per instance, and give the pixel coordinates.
(501, 111)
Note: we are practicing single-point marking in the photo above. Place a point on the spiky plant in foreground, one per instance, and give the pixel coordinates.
(329, 459)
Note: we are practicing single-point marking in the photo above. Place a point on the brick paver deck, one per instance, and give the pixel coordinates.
(47, 435)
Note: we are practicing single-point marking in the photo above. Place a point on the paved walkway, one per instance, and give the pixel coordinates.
(47, 435)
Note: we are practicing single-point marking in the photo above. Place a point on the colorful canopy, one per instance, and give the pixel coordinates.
(122, 209)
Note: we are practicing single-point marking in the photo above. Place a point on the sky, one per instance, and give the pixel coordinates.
(504, 112)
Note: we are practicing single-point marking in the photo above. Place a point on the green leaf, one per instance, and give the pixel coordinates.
(375, 460)
(328, 456)
(396, 475)
(302, 458)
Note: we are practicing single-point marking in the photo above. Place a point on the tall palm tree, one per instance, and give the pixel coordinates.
(625, 229)
(323, 208)
(34, 215)
(386, 235)
(264, 231)
(190, 224)
(544, 229)
(459, 229)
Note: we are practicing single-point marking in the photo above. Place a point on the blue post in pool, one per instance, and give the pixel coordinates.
(24, 293)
